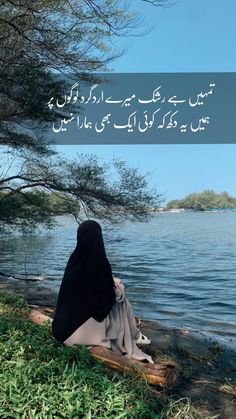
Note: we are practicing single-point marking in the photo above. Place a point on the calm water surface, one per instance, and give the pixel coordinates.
(179, 269)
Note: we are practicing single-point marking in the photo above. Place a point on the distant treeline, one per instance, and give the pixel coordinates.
(204, 201)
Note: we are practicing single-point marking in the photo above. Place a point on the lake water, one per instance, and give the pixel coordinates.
(179, 269)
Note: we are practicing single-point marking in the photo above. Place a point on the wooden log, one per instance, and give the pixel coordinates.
(162, 374)
(38, 317)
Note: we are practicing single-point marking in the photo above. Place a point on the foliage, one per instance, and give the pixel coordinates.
(84, 187)
(38, 40)
(63, 34)
(203, 201)
(25, 212)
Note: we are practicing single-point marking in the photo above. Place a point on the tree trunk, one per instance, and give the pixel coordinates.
(162, 374)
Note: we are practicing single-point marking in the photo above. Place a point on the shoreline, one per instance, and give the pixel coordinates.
(36, 293)
(207, 368)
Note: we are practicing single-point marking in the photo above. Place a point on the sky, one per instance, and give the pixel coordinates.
(187, 36)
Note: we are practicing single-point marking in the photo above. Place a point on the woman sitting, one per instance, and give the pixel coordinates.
(92, 308)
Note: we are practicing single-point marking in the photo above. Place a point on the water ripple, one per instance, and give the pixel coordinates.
(178, 268)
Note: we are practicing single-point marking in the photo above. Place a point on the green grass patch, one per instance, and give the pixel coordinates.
(41, 378)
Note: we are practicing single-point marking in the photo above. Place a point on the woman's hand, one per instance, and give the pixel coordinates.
(117, 282)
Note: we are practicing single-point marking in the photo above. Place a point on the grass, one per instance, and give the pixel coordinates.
(40, 378)
(228, 388)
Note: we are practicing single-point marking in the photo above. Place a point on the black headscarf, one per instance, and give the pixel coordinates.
(87, 288)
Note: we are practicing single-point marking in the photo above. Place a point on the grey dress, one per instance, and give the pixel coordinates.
(117, 331)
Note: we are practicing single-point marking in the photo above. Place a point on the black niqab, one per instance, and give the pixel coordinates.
(87, 288)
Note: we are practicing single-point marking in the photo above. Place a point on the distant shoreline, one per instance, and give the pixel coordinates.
(178, 210)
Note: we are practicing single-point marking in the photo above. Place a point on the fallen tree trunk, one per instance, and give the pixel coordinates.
(38, 317)
(162, 374)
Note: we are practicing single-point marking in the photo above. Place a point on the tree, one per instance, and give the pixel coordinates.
(64, 34)
(37, 41)
(84, 187)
